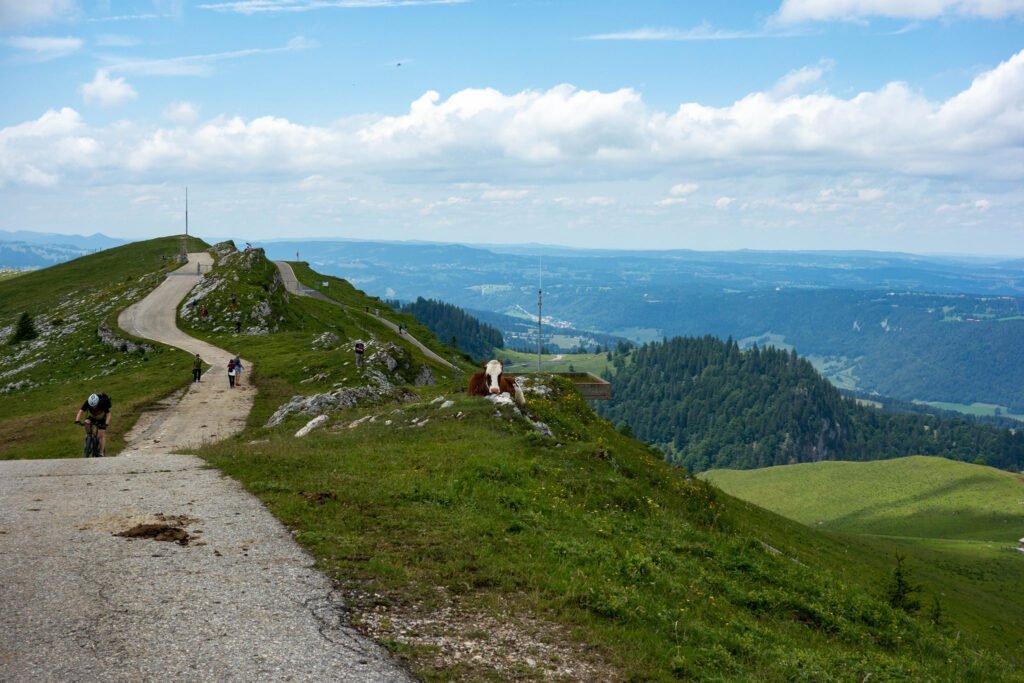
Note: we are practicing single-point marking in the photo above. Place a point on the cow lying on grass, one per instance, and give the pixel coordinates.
(492, 380)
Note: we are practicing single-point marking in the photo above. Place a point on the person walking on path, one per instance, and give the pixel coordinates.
(360, 348)
(238, 370)
(231, 373)
(197, 368)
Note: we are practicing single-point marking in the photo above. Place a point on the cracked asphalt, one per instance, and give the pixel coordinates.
(242, 601)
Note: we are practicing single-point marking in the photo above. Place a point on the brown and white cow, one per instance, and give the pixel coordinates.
(492, 380)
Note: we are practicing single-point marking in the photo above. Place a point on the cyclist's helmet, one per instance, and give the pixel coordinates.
(94, 400)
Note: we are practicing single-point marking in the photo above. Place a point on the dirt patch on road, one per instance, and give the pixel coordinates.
(158, 532)
(158, 526)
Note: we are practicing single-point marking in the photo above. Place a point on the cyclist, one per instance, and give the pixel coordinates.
(97, 411)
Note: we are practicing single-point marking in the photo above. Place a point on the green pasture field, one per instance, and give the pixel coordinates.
(958, 522)
(68, 302)
(922, 497)
(649, 571)
(979, 409)
(595, 363)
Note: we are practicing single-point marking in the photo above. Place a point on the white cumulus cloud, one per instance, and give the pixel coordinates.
(106, 91)
(543, 136)
(798, 11)
(181, 113)
(683, 189)
(724, 202)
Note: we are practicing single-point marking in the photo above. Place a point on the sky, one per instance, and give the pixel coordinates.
(889, 125)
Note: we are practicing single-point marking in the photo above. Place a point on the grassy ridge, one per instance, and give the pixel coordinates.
(918, 496)
(652, 572)
(69, 302)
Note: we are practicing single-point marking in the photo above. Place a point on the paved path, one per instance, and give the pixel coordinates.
(292, 284)
(240, 602)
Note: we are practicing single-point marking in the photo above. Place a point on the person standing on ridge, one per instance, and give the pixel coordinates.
(360, 348)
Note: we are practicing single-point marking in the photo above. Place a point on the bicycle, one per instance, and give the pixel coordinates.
(92, 440)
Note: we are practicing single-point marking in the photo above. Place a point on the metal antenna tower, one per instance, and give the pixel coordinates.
(540, 309)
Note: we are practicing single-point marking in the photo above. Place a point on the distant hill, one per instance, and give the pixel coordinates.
(24, 249)
(708, 404)
(937, 329)
(918, 496)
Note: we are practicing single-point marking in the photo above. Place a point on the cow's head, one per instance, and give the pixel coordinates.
(492, 374)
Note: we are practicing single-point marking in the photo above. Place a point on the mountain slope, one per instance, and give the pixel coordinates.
(710, 405)
(481, 543)
(80, 350)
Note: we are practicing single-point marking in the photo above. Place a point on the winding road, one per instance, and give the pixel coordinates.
(240, 601)
(292, 284)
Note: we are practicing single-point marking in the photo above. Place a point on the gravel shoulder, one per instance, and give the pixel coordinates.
(153, 566)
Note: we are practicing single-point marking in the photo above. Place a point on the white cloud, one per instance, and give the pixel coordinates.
(115, 40)
(798, 11)
(485, 136)
(724, 202)
(797, 80)
(21, 12)
(200, 65)
(282, 6)
(106, 91)
(504, 195)
(43, 48)
(671, 201)
(683, 189)
(703, 32)
(182, 113)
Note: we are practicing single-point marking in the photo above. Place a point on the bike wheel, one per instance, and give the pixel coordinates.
(92, 446)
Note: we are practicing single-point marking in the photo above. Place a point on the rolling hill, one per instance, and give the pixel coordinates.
(918, 497)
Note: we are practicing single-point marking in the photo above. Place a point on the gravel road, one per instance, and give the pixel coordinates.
(228, 596)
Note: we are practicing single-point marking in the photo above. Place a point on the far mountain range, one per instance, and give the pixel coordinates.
(940, 329)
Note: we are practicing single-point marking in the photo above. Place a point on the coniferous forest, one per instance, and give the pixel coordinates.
(453, 325)
(707, 404)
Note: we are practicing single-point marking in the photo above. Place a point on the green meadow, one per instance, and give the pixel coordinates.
(429, 502)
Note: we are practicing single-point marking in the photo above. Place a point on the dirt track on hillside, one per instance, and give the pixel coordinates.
(153, 566)
(209, 410)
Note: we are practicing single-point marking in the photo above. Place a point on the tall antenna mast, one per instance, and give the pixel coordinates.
(186, 211)
(540, 309)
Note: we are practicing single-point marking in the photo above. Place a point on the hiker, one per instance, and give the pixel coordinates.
(197, 368)
(205, 313)
(360, 348)
(238, 322)
(238, 370)
(231, 373)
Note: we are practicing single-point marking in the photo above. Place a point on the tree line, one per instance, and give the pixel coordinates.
(708, 404)
(453, 325)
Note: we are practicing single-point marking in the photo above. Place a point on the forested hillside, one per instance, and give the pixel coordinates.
(709, 404)
(452, 324)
